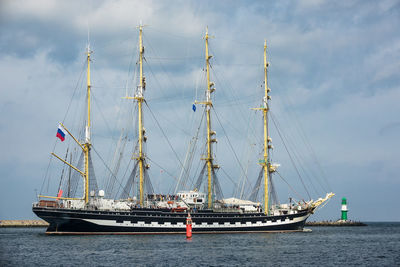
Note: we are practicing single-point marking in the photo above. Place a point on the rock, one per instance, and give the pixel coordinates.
(335, 223)
(23, 223)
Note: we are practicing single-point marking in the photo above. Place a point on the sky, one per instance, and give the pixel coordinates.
(334, 79)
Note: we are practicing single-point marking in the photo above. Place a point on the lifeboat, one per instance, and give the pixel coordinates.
(179, 209)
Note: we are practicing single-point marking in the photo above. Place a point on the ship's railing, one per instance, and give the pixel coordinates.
(48, 204)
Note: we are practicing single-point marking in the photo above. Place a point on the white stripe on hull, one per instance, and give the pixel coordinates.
(171, 233)
(203, 225)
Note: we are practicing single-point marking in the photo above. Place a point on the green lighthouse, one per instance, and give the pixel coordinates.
(344, 209)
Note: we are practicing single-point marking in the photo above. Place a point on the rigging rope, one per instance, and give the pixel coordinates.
(189, 158)
(147, 182)
(305, 140)
(165, 136)
(321, 177)
(227, 175)
(273, 195)
(299, 159)
(129, 183)
(290, 156)
(102, 115)
(46, 175)
(229, 142)
(92, 177)
(72, 185)
(107, 166)
(254, 193)
(76, 87)
(291, 188)
(217, 187)
(235, 98)
(63, 170)
(200, 178)
(159, 166)
(164, 70)
(126, 171)
(116, 161)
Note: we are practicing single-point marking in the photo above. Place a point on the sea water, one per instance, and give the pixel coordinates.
(377, 244)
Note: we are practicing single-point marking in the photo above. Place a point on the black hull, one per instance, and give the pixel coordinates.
(156, 221)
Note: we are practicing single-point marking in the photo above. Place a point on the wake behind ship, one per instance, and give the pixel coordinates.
(150, 213)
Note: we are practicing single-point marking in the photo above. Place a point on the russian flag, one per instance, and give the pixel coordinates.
(61, 133)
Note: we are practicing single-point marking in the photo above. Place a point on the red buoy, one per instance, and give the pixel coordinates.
(188, 226)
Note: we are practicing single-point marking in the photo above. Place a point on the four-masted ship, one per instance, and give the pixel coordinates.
(96, 214)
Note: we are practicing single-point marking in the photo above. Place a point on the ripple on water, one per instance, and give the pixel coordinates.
(376, 244)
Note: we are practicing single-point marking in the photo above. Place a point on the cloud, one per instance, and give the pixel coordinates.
(389, 128)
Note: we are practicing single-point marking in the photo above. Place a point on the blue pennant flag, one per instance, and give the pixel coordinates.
(194, 107)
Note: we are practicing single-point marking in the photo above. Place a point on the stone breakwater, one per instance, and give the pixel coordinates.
(23, 223)
(335, 223)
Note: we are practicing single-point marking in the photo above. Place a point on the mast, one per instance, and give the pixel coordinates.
(69, 176)
(87, 144)
(267, 168)
(208, 108)
(139, 97)
(84, 146)
(208, 103)
(265, 120)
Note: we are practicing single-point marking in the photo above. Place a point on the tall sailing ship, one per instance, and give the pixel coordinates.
(155, 214)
